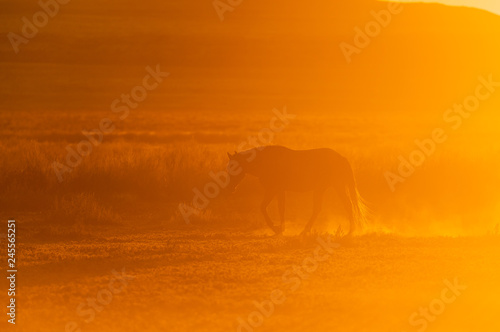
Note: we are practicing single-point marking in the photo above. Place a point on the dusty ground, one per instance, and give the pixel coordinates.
(205, 280)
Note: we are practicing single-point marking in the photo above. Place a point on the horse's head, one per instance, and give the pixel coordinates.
(236, 170)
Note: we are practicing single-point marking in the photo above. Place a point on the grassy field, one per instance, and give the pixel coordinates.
(151, 162)
(117, 210)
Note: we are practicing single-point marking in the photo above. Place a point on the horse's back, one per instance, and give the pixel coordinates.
(283, 156)
(301, 170)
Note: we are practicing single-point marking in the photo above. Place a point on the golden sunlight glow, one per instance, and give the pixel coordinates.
(489, 5)
(250, 166)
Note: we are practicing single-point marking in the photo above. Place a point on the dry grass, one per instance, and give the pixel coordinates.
(118, 209)
(152, 162)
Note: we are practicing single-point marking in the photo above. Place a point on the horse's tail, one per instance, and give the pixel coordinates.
(360, 210)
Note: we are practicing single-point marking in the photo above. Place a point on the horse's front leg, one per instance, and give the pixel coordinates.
(268, 197)
(318, 197)
(281, 208)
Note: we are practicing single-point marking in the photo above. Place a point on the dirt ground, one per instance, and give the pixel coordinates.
(206, 280)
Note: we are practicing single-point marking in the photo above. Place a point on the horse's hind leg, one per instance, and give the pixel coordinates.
(318, 197)
(346, 202)
(268, 197)
(281, 207)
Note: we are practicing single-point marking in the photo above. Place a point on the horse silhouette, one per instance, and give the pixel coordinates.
(281, 169)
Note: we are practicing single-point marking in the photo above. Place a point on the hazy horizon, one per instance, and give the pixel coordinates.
(492, 6)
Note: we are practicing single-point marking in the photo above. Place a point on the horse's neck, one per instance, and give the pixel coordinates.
(252, 169)
(258, 167)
